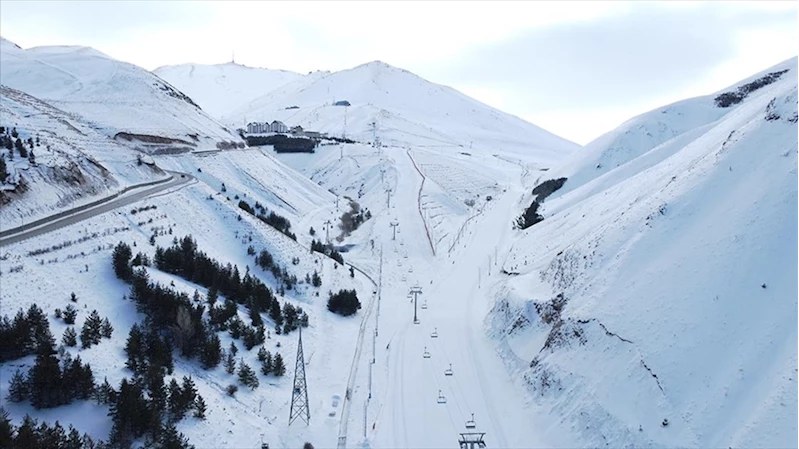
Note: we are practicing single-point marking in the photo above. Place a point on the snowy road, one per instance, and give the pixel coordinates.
(81, 213)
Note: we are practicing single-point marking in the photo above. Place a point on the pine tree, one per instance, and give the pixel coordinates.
(18, 388)
(91, 333)
(121, 261)
(230, 363)
(45, 380)
(233, 348)
(26, 434)
(104, 393)
(211, 354)
(316, 279)
(73, 440)
(247, 376)
(106, 329)
(266, 364)
(135, 350)
(213, 296)
(70, 337)
(279, 368)
(23, 153)
(73, 298)
(176, 405)
(69, 314)
(6, 429)
(199, 407)
(3, 168)
(262, 354)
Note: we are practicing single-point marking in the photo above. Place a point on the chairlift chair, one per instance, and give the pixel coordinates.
(426, 354)
(448, 371)
(470, 424)
(424, 304)
(441, 399)
(434, 334)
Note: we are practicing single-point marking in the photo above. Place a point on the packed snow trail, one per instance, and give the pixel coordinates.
(406, 413)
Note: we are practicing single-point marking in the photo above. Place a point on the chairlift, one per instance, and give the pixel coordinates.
(470, 424)
(441, 399)
(426, 353)
(434, 334)
(448, 371)
(424, 304)
(410, 270)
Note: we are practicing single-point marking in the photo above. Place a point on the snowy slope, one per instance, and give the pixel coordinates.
(407, 111)
(678, 291)
(74, 164)
(113, 96)
(219, 89)
(668, 128)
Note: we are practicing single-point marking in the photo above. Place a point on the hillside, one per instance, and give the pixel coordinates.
(667, 128)
(221, 88)
(72, 164)
(118, 99)
(407, 111)
(656, 305)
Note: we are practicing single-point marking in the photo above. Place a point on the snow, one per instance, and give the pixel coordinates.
(676, 264)
(221, 88)
(673, 256)
(112, 96)
(75, 164)
(407, 110)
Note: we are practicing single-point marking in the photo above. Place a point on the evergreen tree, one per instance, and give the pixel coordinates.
(26, 434)
(21, 148)
(70, 337)
(104, 393)
(91, 332)
(266, 364)
(247, 376)
(177, 407)
(262, 354)
(316, 279)
(3, 168)
(211, 354)
(73, 298)
(45, 380)
(135, 350)
(279, 369)
(121, 261)
(73, 439)
(230, 363)
(233, 349)
(213, 296)
(17, 388)
(69, 314)
(14, 133)
(199, 407)
(6, 429)
(32, 158)
(106, 329)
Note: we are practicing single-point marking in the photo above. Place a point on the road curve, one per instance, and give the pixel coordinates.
(86, 211)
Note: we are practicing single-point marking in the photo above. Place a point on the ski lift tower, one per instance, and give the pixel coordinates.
(299, 396)
(394, 225)
(415, 291)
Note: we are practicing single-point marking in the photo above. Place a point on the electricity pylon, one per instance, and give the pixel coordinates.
(299, 396)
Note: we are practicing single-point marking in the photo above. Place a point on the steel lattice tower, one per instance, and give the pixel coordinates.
(299, 396)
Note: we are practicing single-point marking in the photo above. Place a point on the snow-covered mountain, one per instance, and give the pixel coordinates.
(72, 162)
(119, 99)
(669, 128)
(405, 109)
(221, 88)
(656, 303)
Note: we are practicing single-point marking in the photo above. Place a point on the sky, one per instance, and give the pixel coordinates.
(578, 69)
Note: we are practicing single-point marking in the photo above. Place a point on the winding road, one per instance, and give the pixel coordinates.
(126, 196)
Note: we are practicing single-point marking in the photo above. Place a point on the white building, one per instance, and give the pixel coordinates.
(278, 127)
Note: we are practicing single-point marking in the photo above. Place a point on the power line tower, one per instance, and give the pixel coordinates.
(299, 397)
(415, 291)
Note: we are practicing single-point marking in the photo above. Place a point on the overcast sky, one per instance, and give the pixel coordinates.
(576, 69)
